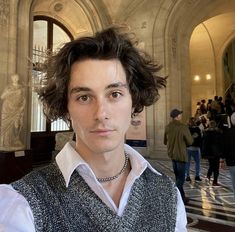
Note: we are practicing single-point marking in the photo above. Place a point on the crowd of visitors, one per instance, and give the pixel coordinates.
(215, 109)
(215, 120)
(208, 135)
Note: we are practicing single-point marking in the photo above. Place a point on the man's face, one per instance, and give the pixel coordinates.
(99, 105)
(179, 117)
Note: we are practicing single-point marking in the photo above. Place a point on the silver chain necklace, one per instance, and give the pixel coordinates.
(106, 179)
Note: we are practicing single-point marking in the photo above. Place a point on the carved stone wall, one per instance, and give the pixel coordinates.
(4, 45)
(4, 12)
(164, 27)
(14, 53)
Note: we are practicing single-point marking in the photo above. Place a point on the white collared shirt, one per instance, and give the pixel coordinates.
(16, 214)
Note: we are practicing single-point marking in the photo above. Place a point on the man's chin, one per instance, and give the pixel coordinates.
(104, 148)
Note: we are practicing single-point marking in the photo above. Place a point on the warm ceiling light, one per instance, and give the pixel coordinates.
(208, 76)
(196, 77)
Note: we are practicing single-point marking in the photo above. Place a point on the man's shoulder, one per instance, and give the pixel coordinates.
(37, 176)
(181, 125)
(156, 177)
(173, 123)
(176, 124)
(160, 184)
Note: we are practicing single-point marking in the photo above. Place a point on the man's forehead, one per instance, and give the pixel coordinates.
(97, 72)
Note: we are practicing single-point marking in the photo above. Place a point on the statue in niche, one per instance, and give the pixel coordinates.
(12, 112)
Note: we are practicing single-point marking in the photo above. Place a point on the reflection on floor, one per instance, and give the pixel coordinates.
(209, 208)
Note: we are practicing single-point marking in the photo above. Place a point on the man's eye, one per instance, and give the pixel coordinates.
(83, 98)
(116, 94)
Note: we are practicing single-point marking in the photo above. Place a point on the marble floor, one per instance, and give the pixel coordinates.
(209, 208)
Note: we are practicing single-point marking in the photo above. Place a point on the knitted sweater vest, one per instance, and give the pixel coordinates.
(151, 205)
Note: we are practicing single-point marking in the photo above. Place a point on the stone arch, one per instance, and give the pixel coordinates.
(178, 34)
(24, 12)
(79, 17)
(174, 55)
(219, 60)
(157, 112)
(176, 22)
(185, 16)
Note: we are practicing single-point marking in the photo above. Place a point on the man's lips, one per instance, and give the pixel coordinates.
(103, 132)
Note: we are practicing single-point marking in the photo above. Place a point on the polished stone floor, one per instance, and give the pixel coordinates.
(209, 208)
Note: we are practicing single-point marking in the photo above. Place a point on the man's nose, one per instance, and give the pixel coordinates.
(101, 111)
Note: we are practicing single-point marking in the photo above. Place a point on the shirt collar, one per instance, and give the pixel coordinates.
(68, 160)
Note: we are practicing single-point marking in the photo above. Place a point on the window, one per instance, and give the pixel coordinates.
(48, 35)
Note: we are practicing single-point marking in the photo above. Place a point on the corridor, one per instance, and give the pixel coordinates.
(209, 208)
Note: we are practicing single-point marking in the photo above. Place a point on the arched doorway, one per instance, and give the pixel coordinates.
(54, 23)
(208, 56)
(178, 25)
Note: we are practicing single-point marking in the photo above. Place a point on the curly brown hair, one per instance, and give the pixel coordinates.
(108, 44)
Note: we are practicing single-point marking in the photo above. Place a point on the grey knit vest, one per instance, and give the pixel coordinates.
(151, 205)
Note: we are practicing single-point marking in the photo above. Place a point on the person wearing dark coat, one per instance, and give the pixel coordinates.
(212, 150)
(229, 150)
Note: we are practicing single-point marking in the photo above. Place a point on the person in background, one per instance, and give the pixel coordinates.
(229, 150)
(203, 106)
(97, 182)
(198, 105)
(215, 108)
(202, 123)
(194, 151)
(209, 109)
(177, 137)
(212, 150)
(228, 105)
(197, 114)
(222, 106)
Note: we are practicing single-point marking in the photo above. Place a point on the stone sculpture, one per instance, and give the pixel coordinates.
(12, 112)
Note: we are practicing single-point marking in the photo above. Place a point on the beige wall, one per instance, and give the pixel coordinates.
(207, 45)
(164, 28)
(202, 64)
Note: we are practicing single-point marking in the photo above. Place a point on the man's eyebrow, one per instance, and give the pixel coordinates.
(79, 89)
(116, 85)
(86, 89)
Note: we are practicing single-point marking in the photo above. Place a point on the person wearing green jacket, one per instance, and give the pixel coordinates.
(177, 137)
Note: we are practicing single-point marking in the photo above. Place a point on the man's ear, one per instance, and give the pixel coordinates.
(68, 116)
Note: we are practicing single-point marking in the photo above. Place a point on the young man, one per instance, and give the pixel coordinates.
(97, 183)
(177, 137)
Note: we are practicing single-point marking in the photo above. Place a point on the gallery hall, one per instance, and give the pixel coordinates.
(188, 45)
